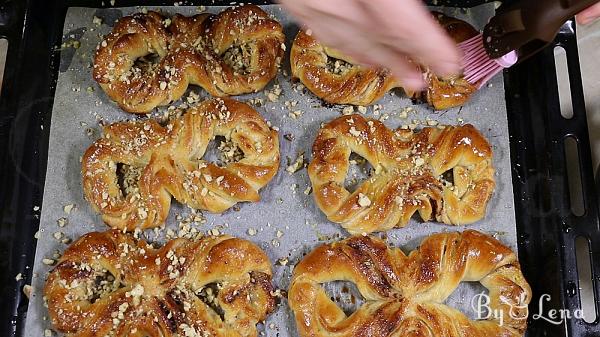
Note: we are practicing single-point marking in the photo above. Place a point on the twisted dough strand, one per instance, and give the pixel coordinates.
(444, 93)
(356, 85)
(195, 50)
(408, 174)
(404, 295)
(350, 83)
(110, 284)
(170, 163)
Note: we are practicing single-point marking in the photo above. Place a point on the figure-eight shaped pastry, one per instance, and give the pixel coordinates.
(444, 173)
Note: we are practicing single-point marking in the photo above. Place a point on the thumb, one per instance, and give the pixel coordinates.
(589, 15)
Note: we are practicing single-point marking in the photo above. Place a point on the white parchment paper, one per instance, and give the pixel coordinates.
(286, 221)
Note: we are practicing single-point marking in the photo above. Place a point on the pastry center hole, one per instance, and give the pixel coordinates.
(338, 66)
(101, 285)
(209, 294)
(238, 57)
(128, 178)
(447, 178)
(345, 294)
(146, 64)
(167, 312)
(472, 299)
(359, 170)
(223, 151)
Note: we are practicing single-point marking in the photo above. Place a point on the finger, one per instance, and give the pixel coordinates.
(333, 27)
(345, 37)
(406, 73)
(353, 42)
(343, 28)
(589, 15)
(310, 11)
(416, 34)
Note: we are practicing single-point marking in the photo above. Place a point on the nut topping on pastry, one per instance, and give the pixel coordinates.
(109, 284)
(235, 52)
(158, 162)
(445, 173)
(404, 295)
(333, 77)
(336, 79)
(444, 93)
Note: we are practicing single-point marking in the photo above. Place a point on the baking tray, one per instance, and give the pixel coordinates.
(537, 158)
(286, 221)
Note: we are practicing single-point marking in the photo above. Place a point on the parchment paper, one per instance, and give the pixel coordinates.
(286, 221)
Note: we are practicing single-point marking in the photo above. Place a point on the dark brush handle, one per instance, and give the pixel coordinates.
(529, 25)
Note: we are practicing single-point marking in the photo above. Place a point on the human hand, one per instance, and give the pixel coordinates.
(589, 15)
(393, 34)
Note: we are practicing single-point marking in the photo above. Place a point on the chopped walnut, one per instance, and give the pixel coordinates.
(363, 200)
(337, 66)
(297, 165)
(238, 57)
(229, 152)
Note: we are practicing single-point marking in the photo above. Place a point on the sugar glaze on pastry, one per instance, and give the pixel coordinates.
(111, 284)
(404, 294)
(444, 173)
(336, 78)
(167, 161)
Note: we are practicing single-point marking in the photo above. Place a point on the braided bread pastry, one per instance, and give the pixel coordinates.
(444, 93)
(410, 174)
(110, 284)
(163, 161)
(336, 79)
(404, 295)
(235, 52)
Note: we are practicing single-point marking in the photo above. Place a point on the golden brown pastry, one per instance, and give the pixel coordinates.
(445, 173)
(235, 52)
(157, 162)
(110, 284)
(444, 93)
(335, 78)
(404, 295)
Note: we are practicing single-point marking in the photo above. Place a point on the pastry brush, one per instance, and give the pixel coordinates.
(516, 32)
